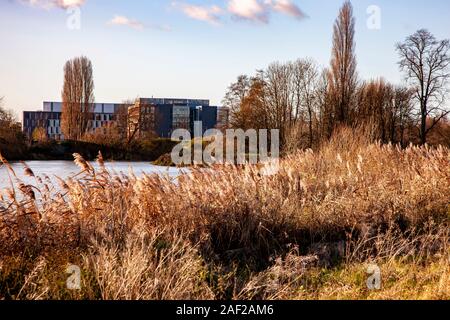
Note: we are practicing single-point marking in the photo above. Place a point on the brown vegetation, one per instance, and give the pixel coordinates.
(307, 231)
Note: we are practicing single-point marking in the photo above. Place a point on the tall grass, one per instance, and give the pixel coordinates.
(235, 232)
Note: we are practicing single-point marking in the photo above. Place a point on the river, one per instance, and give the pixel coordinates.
(65, 169)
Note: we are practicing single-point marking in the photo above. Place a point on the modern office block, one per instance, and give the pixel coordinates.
(148, 117)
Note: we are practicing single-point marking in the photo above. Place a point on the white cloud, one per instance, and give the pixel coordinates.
(124, 21)
(252, 10)
(210, 14)
(49, 4)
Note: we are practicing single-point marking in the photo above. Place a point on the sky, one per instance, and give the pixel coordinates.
(191, 48)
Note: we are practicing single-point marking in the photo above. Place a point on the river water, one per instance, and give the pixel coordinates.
(65, 169)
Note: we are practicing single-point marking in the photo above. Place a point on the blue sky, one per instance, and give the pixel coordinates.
(189, 48)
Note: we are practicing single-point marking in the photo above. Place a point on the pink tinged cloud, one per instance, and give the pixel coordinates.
(70, 3)
(252, 10)
(119, 20)
(210, 14)
(124, 21)
(287, 7)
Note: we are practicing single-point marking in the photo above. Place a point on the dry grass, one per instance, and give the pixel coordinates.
(307, 231)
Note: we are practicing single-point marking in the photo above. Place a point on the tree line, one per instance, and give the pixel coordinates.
(307, 103)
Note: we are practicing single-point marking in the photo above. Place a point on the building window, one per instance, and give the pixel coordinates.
(180, 117)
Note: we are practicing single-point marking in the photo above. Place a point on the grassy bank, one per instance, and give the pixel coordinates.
(308, 231)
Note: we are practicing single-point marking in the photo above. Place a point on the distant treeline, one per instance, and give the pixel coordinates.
(308, 103)
(150, 150)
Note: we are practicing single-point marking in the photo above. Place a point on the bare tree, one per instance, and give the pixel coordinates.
(306, 79)
(324, 101)
(403, 112)
(343, 77)
(375, 107)
(425, 62)
(385, 109)
(7, 117)
(280, 98)
(77, 97)
(283, 96)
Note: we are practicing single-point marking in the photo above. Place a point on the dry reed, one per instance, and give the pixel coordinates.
(233, 232)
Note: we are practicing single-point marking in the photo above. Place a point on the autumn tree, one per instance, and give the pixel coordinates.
(39, 134)
(342, 73)
(425, 62)
(12, 139)
(106, 135)
(77, 97)
(122, 121)
(234, 98)
(253, 113)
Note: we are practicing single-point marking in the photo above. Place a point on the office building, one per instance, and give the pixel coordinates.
(148, 117)
(161, 117)
(50, 118)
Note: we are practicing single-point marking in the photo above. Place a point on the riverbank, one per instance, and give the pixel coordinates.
(149, 151)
